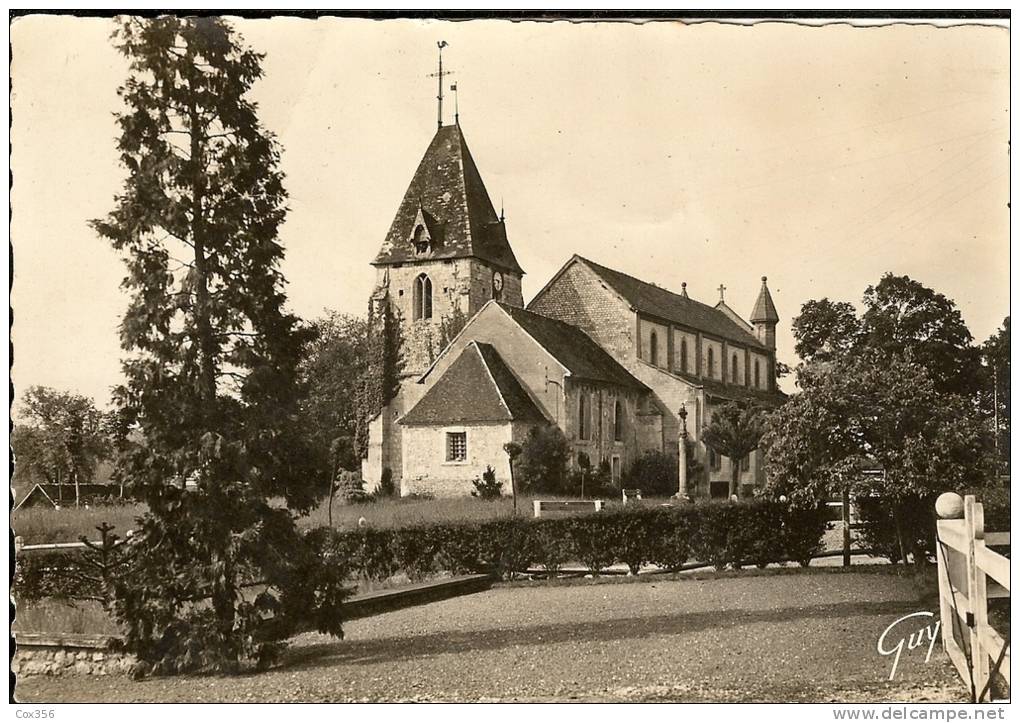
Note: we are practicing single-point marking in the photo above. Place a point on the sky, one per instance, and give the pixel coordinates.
(714, 154)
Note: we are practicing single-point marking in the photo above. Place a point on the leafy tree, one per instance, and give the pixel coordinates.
(542, 464)
(825, 330)
(331, 372)
(904, 316)
(734, 431)
(63, 438)
(869, 410)
(212, 360)
(994, 396)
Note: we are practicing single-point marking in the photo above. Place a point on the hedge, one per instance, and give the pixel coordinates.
(717, 533)
(878, 529)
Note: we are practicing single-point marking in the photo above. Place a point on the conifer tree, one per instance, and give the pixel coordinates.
(211, 359)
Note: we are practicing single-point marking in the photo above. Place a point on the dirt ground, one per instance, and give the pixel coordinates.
(797, 637)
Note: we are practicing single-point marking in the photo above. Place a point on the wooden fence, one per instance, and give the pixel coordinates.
(970, 573)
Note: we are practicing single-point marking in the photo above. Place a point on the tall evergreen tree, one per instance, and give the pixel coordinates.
(212, 358)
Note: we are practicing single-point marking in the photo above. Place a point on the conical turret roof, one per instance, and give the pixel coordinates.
(764, 309)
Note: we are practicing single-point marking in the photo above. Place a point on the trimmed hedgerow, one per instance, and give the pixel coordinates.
(721, 534)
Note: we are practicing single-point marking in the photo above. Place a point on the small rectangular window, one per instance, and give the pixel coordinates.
(745, 463)
(456, 446)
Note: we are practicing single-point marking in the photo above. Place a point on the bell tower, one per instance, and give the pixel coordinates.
(446, 253)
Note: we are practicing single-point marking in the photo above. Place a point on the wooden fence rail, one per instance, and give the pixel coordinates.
(965, 564)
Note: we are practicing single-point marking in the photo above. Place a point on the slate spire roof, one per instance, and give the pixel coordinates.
(448, 191)
(764, 309)
(477, 388)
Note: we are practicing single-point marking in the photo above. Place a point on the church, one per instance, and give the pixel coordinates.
(620, 365)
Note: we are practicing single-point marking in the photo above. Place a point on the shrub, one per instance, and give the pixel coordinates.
(711, 536)
(802, 533)
(634, 535)
(542, 465)
(417, 548)
(591, 483)
(552, 546)
(459, 548)
(487, 488)
(878, 525)
(507, 545)
(654, 473)
(672, 547)
(386, 486)
(758, 538)
(593, 539)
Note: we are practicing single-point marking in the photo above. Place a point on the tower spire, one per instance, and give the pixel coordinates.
(439, 76)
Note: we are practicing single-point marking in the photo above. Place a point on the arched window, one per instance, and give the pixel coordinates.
(582, 415)
(421, 245)
(711, 362)
(422, 298)
(757, 374)
(618, 421)
(683, 355)
(733, 369)
(653, 344)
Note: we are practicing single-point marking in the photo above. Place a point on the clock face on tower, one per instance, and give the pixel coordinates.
(497, 284)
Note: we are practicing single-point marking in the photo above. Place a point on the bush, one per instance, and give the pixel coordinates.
(552, 547)
(487, 488)
(802, 533)
(593, 539)
(386, 486)
(714, 531)
(671, 548)
(587, 483)
(878, 530)
(507, 546)
(654, 473)
(542, 465)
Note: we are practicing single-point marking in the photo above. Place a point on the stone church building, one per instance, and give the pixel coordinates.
(607, 358)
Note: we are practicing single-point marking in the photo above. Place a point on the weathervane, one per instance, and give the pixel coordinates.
(441, 44)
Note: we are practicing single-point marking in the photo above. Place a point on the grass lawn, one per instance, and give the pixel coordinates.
(791, 637)
(39, 525)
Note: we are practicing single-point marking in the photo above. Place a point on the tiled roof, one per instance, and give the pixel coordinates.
(574, 349)
(477, 388)
(764, 309)
(656, 301)
(716, 388)
(462, 220)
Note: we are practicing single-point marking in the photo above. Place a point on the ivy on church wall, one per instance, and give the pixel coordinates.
(381, 379)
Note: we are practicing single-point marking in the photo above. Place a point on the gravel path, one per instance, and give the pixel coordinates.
(780, 638)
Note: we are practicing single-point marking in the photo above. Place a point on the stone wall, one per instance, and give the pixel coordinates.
(429, 472)
(62, 656)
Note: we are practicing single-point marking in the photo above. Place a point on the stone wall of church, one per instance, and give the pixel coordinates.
(463, 284)
(428, 471)
(537, 370)
(763, 371)
(578, 297)
(598, 438)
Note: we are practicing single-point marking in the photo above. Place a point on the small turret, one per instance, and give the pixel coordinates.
(764, 317)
